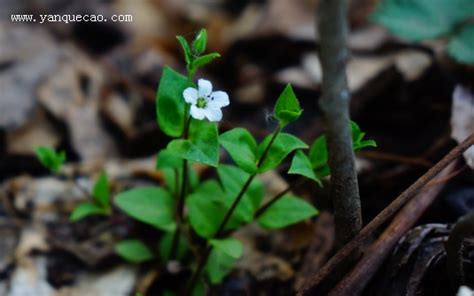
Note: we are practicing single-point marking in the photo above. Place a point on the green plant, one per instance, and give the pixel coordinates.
(99, 205)
(201, 236)
(418, 20)
(51, 159)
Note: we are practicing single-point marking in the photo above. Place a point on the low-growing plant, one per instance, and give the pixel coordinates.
(99, 205)
(197, 217)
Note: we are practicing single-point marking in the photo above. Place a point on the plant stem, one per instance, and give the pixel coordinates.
(180, 204)
(274, 199)
(335, 104)
(203, 260)
(463, 227)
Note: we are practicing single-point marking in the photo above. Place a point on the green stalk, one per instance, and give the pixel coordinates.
(179, 213)
(203, 261)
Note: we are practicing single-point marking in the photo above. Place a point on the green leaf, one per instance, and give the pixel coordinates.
(101, 192)
(229, 246)
(286, 211)
(151, 205)
(50, 158)
(168, 159)
(358, 141)
(166, 293)
(242, 147)
(200, 42)
(318, 153)
(287, 107)
(171, 175)
(166, 243)
(233, 179)
(207, 209)
(205, 215)
(86, 209)
(188, 56)
(203, 60)
(461, 46)
(212, 189)
(219, 265)
(283, 145)
(422, 19)
(202, 145)
(301, 165)
(199, 290)
(133, 250)
(170, 104)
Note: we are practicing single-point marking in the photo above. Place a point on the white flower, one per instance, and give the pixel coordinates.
(204, 102)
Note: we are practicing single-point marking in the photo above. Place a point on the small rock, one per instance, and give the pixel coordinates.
(118, 281)
(462, 119)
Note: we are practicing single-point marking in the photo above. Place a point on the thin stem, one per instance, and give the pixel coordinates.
(179, 213)
(236, 202)
(203, 261)
(267, 149)
(274, 199)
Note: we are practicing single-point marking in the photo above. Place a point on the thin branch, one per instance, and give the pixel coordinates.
(338, 259)
(362, 273)
(335, 104)
(279, 195)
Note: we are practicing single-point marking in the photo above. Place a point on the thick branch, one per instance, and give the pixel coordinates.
(340, 257)
(335, 104)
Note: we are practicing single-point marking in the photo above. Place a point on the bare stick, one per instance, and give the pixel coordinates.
(383, 217)
(362, 273)
(335, 104)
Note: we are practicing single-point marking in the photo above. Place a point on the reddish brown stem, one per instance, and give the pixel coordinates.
(362, 273)
(383, 217)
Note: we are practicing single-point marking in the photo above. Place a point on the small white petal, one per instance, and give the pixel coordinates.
(213, 114)
(190, 95)
(196, 112)
(219, 99)
(205, 87)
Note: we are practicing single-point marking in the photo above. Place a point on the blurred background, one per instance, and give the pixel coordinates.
(89, 88)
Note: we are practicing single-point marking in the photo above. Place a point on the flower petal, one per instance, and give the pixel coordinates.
(197, 113)
(213, 114)
(190, 95)
(205, 87)
(219, 99)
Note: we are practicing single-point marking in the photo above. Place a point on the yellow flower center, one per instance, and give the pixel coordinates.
(201, 102)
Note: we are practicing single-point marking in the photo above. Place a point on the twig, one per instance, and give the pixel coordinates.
(362, 273)
(282, 193)
(463, 227)
(335, 104)
(396, 158)
(383, 216)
